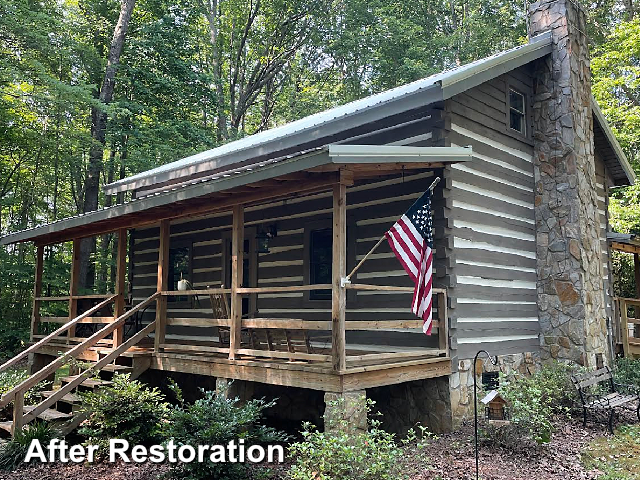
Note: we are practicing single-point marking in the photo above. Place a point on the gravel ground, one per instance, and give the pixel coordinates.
(449, 457)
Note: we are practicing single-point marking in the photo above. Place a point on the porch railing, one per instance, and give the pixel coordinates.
(70, 323)
(440, 327)
(16, 394)
(630, 342)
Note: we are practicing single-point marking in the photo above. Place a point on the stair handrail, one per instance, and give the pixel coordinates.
(62, 329)
(60, 361)
(46, 403)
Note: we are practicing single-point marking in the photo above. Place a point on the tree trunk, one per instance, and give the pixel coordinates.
(98, 134)
(211, 12)
(106, 240)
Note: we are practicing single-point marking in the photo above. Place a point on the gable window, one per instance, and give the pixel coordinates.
(320, 259)
(179, 269)
(517, 114)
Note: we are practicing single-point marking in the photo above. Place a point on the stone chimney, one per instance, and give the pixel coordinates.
(571, 306)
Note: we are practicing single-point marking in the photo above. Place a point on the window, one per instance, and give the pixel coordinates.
(249, 268)
(179, 268)
(320, 258)
(490, 380)
(517, 117)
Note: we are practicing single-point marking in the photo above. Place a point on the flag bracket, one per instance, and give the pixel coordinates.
(346, 280)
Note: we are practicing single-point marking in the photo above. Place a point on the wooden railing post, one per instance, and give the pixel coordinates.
(636, 270)
(624, 327)
(18, 413)
(37, 292)
(121, 268)
(443, 319)
(237, 253)
(163, 281)
(339, 272)
(73, 286)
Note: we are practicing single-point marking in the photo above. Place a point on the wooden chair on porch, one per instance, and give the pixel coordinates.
(258, 338)
(221, 310)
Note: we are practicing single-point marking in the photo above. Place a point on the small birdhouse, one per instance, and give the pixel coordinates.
(495, 407)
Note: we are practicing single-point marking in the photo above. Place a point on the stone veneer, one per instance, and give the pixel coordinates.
(461, 382)
(570, 287)
(425, 402)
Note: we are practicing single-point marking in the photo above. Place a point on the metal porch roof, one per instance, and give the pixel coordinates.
(329, 155)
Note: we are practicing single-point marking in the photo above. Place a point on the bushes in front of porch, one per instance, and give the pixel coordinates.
(345, 453)
(131, 411)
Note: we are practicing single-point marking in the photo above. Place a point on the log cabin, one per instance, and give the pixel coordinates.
(233, 263)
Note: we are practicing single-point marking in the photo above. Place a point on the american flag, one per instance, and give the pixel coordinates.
(411, 239)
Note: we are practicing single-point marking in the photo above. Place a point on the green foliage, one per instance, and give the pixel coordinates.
(126, 409)
(615, 68)
(217, 420)
(13, 453)
(617, 457)
(535, 399)
(336, 455)
(627, 371)
(14, 377)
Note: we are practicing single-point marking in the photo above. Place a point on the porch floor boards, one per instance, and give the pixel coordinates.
(361, 372)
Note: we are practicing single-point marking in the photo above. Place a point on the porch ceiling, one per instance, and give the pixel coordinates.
(288, 176)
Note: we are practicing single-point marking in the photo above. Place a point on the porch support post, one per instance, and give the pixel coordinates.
(73, 285)
(37, 292)
(339, 271)
(121, 269)
(163, 282)
(237, 251)
(636, 266)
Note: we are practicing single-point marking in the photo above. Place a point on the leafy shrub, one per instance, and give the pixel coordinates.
(12, 378)
(534, 400)
(126, 409)
(12, 341)
(217, 420)
(13, 453)
(336, 455)
(627, 370)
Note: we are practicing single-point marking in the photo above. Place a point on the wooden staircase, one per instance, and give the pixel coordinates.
(61, 406)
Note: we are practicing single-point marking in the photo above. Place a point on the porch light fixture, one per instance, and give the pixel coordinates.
(263, 236)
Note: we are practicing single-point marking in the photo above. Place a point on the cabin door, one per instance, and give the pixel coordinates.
(249, 268)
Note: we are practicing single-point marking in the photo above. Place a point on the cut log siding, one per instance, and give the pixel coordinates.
(493, 225)
(602, 191)
(372, 207)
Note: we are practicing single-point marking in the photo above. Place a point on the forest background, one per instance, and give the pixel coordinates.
(92, 91)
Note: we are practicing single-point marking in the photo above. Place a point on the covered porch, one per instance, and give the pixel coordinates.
(626, 325)
(310, 352)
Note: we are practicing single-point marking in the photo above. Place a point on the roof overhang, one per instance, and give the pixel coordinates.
(615, 160)
(624, 242)
(461, 80)
(319, 164)
(317, 130)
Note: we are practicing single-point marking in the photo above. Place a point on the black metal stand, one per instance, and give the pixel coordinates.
(494, 361)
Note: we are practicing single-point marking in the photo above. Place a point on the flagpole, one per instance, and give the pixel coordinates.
(347, 279)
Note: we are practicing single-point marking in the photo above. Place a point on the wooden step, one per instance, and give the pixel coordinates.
(117, 368)
(88, 382)
(68, 398)
(132, 352)
(6, 426)
(50, 414)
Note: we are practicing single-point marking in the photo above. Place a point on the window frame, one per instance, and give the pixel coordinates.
(306, 262)
(252, 256)
(524, 112)
(315, 294)
(177, 301)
